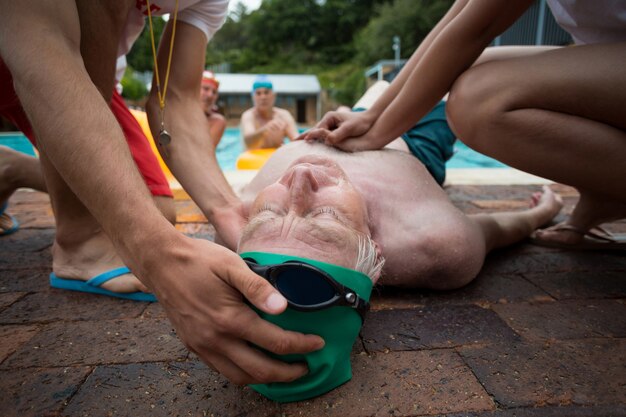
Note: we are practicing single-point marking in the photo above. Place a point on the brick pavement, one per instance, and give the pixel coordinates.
(541, 332)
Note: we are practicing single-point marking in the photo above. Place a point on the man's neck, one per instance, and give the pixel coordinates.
(266, 114)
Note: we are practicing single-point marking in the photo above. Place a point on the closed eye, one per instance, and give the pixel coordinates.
(326, 210)
(266, 207)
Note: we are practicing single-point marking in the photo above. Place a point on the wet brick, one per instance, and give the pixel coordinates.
(527, 259)
(573, 319)
(400, 384)
(99, 342)
(38, 392)
(25, 197)
(27, 240)
(55, 305)
(154, 310)
(485, 289)
(591, 372)
(581, 284)
(25, 280)
(13, 337)
(30, 248)
(165, 389)
(562, 411)
(8, 298)
(468, 192)
(32, 209)
(433, 327)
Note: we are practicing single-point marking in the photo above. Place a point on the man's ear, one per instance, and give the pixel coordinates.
(379, 260)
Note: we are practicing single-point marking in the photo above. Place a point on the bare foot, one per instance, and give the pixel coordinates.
(591, 211)
(547, 203)
(18, 170)
(94, 256)
(6, 183)
(8, 224)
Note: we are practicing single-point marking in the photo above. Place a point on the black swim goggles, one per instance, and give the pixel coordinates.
(308, 288)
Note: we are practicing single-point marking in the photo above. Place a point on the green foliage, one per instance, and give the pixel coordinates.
(133, 89)
(140, 56)
(408, 19)
(291, 35)
(335, 39)
(344, 83)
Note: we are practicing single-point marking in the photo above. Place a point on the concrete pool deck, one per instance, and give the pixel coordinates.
(541, 332)
(454, 176)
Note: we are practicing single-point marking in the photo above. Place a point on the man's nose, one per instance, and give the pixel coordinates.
(302, 183)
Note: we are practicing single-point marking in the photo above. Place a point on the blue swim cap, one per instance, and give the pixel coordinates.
(262, 81)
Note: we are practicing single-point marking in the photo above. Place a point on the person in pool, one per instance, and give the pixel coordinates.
(264, 125)
(209, 93)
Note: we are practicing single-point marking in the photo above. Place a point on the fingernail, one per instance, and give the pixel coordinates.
(275, 301)
(321, 344)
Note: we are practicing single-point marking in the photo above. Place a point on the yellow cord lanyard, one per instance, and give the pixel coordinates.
(164, 137)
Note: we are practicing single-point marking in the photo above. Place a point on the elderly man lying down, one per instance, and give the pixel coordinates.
(381, 213)
(318, 202)
(314, 201)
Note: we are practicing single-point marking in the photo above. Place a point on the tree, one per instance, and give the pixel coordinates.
(140, 56)
(408, 19)
(335, 39)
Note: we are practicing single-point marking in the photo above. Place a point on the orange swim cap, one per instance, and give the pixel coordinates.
(209, 78)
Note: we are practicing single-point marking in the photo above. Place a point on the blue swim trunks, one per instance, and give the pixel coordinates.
(431, 141)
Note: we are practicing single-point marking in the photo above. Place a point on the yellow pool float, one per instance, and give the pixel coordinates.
(142, 118)
(254, 158)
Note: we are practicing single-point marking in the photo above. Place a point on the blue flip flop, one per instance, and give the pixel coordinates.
(15, 225)
(93, 285)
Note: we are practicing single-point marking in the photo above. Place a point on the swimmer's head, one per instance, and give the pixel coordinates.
(208, 91)
(208, 78)
(262, 81)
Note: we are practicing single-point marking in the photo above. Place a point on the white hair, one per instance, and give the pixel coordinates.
(367, 262)
(367, 259)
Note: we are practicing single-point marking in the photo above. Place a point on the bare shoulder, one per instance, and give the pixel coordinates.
(217, 118)
(247, 114)
(439, 249)
(283, 113)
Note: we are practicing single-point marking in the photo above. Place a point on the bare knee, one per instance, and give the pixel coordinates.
(19, 170)
(477, 100)
(167, 207)
(8, 167)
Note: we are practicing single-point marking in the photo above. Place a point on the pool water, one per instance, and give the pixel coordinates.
(231, 146)
(17, 141)
(465, 157)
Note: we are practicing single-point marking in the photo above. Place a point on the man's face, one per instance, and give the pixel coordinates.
(312, 211)
(264, 98)
(208, 96)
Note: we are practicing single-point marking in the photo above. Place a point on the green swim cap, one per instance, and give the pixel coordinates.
(262, 81)
(339, 326)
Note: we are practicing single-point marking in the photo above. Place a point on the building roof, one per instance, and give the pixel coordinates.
(283, 83)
